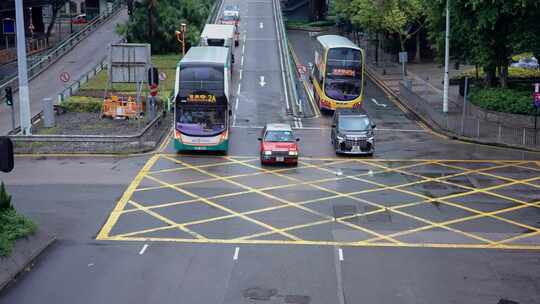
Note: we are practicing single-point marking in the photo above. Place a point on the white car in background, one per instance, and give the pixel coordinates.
(526, 63)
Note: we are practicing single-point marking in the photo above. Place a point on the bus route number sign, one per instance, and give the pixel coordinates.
(201, 98)
(343, 72)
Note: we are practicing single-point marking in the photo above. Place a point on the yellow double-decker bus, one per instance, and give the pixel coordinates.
(338, 73)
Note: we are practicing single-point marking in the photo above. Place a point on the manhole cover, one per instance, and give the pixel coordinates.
(296, 299)
(259, 293)
(344, 210)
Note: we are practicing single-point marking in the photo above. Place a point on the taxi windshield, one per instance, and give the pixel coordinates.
(279, 136)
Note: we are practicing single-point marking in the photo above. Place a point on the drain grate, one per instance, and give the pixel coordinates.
(260, 293)
(296, 299)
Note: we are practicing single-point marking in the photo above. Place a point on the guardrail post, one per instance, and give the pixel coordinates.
(524, 131)
(478, 128)
(499, 137)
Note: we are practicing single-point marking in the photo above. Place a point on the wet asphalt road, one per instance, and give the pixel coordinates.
(426, 220)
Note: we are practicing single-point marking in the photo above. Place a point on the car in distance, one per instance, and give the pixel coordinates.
(278, 144)
(79, 19)
(231, 15)
(352, 132)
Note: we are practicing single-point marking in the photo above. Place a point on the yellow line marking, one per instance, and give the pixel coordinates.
(115, 214)
(166, 220)
(166, 140)
(324, 243)
(223, 208)
(519, 237)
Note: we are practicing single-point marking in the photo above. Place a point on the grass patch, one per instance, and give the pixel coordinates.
(308, 24)
(503, 100)
(13, 226)
(164, 63)
(83, 104)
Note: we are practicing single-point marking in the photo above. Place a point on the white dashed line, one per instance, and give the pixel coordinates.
(241, 74)
(143, 249)
(340, 252)
(235, 256)
(238, 91)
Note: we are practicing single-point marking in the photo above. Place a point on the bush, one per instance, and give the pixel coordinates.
(13, 226)
(83, 104)
(513, 73)
(5, 198)
(503, 100)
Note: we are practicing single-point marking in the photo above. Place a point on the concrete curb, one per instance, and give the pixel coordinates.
(434, 128)
(24, 253)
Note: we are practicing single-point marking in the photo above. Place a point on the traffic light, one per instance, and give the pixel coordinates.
(9, 96)
(6, 154)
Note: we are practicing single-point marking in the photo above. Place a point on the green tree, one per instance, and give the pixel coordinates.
(155, 22)
(487, 32)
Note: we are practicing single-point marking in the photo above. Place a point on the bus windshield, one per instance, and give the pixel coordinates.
(197, 121)
(197, 78)
(343, 74)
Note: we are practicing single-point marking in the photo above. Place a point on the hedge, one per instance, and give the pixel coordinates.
(503, 100)
(83, 104)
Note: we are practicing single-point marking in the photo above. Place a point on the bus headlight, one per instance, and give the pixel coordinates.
(293, 153)
(340, 138)
(267, 153)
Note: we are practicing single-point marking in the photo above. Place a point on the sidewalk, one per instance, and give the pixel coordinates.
(83, 57)
(421, 91)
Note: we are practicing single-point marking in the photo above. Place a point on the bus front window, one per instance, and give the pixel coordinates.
(343, 81)
(196, 122)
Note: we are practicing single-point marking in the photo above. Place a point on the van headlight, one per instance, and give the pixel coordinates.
(293, 153)
(267, 153)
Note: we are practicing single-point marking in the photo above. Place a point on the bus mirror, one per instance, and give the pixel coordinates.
(259, 139)
(230, 112)
(6, 154)
(298, 139)
(373, 126)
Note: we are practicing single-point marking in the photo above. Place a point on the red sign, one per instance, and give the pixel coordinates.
(153, 90)
(65, 77)
(536, 99)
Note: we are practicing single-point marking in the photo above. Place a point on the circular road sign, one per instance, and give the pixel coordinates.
(65, 77)
(162, 76)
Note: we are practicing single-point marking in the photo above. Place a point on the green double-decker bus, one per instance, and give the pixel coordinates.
(202, 109)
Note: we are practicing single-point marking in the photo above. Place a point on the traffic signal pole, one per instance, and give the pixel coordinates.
(24, 96)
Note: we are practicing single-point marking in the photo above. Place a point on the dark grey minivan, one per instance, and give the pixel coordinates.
(352, 132)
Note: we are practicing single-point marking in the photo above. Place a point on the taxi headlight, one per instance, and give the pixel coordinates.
(267, 153)
(293, 153)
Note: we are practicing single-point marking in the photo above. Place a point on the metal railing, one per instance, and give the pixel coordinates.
(467, 126)
(76, 86)
(214, 12)
(54, 54)
(288, 65)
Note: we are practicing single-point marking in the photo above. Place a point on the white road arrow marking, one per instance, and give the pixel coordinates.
(261, 25)
(262, 82)
(378, 104)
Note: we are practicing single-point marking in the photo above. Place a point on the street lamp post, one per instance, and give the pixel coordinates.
(446, 58)
(180, 36)
(24, 95)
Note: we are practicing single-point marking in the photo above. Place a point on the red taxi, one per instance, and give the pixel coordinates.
(278, 144)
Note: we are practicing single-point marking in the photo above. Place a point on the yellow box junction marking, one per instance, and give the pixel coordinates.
(126, 205)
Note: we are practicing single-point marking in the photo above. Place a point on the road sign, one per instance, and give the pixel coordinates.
(153, 90)
(162, 76)
(536, 99)
(8, 26)
(65, 77)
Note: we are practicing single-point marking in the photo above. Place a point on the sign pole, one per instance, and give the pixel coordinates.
(536, 103)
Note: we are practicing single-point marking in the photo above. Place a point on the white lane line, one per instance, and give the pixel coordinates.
(242, 61)
(143, 249)
(241, 74)
(378, 104)
(235, 256)
(340, 251)
(238, 91)
(244, 47)
(236, 105)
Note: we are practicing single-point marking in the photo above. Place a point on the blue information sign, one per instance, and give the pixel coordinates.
(8, 26)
